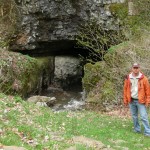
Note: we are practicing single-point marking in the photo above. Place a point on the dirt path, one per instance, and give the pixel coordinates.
(89, 143)
(11, 148)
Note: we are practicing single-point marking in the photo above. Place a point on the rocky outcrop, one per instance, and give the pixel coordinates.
(51, 25)
(68, 71)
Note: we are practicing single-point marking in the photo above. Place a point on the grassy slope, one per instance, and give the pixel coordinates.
(27, 125)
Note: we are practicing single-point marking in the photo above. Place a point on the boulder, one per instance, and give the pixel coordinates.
(68, 71)
(42, 100)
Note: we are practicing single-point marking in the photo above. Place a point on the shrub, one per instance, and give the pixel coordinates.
(96, 39)
(117, 64)
(104, 80)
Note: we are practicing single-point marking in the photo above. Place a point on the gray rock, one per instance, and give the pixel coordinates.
(50, 21)
(41, 104)
(42, 100)
(67, 70)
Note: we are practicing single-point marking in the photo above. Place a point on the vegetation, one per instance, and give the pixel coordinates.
(95, 39)
(33, 127)
(103, 80)
(15, 72)
(105, 84)
(27, 125)
(22, 74)
(9, 19)
(119, 10)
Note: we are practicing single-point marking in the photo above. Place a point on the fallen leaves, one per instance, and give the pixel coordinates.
(120, 112)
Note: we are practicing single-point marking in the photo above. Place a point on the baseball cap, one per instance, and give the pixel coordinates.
(136, 65)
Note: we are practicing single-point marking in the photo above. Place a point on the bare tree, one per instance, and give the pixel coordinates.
(9, 18)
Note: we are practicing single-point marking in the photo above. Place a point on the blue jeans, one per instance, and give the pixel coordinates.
(136, 107)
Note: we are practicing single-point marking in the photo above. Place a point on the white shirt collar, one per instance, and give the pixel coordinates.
(131, 75)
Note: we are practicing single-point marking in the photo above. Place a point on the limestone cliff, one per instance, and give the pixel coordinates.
(51, 25)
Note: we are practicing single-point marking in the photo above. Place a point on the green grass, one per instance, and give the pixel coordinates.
(37, 128)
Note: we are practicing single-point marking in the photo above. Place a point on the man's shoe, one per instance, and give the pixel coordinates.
(136, 131)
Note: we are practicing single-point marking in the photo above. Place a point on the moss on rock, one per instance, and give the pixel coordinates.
(120, 10)
(92, 74)
(22, 74)
(110, 73)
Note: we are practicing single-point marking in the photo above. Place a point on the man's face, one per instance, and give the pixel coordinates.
(135, 70)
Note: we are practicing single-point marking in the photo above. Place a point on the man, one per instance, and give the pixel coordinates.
(137, 95)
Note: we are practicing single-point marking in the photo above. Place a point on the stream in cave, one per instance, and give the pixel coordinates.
(65, 80)
(69, 100)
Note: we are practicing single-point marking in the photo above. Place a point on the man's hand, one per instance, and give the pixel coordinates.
(147, 104)
(125, 104)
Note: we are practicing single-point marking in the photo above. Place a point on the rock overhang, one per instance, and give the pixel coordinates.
(51, 25)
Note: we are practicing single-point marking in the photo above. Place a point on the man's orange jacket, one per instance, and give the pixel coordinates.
(143, 90)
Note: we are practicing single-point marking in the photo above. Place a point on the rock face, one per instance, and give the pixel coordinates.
(51, 25)
(68, 71)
